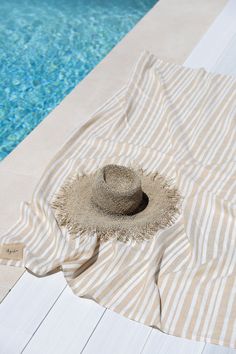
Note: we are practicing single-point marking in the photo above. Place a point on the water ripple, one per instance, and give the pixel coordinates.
(46, 48)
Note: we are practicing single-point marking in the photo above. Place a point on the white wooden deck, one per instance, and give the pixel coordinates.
(41, 315)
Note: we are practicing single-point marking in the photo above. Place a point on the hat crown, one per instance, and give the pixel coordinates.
(117, 190)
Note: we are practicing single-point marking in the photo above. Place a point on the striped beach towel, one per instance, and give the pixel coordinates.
(181, 123)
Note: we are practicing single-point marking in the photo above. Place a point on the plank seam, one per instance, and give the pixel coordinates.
(145, 343)
(203, 349)
(91, 334)
(57, 298)
(4, 297)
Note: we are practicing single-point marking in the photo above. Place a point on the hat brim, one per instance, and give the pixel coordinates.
(75, 210)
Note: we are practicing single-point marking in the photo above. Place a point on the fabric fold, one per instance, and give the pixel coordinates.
(181, 123)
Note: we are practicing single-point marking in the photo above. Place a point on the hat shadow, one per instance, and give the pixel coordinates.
(142, 206)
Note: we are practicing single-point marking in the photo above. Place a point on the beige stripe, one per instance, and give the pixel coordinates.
(180, 122)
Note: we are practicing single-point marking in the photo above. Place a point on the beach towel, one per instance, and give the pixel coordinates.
(181, 123)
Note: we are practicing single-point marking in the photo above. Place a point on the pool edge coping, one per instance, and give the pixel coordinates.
(22, 168)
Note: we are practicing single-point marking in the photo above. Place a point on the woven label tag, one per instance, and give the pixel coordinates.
(11, 251)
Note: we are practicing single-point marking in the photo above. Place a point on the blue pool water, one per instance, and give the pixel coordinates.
(46, 48)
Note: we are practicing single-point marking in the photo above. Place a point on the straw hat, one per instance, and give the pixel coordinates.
(116, 202)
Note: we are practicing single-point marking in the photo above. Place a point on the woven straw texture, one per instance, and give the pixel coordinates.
(125, 205)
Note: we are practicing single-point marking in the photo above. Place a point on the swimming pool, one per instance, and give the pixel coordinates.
(46, 48)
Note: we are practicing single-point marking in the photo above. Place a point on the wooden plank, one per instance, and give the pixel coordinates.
(9, 275)
(212, 48)
(217, 349)
(161, 343)
(8, 278)
(25, 307)
(67, 327)
(3, 292)
(117, 335)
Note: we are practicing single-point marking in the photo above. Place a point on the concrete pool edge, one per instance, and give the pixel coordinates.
(170, 30)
